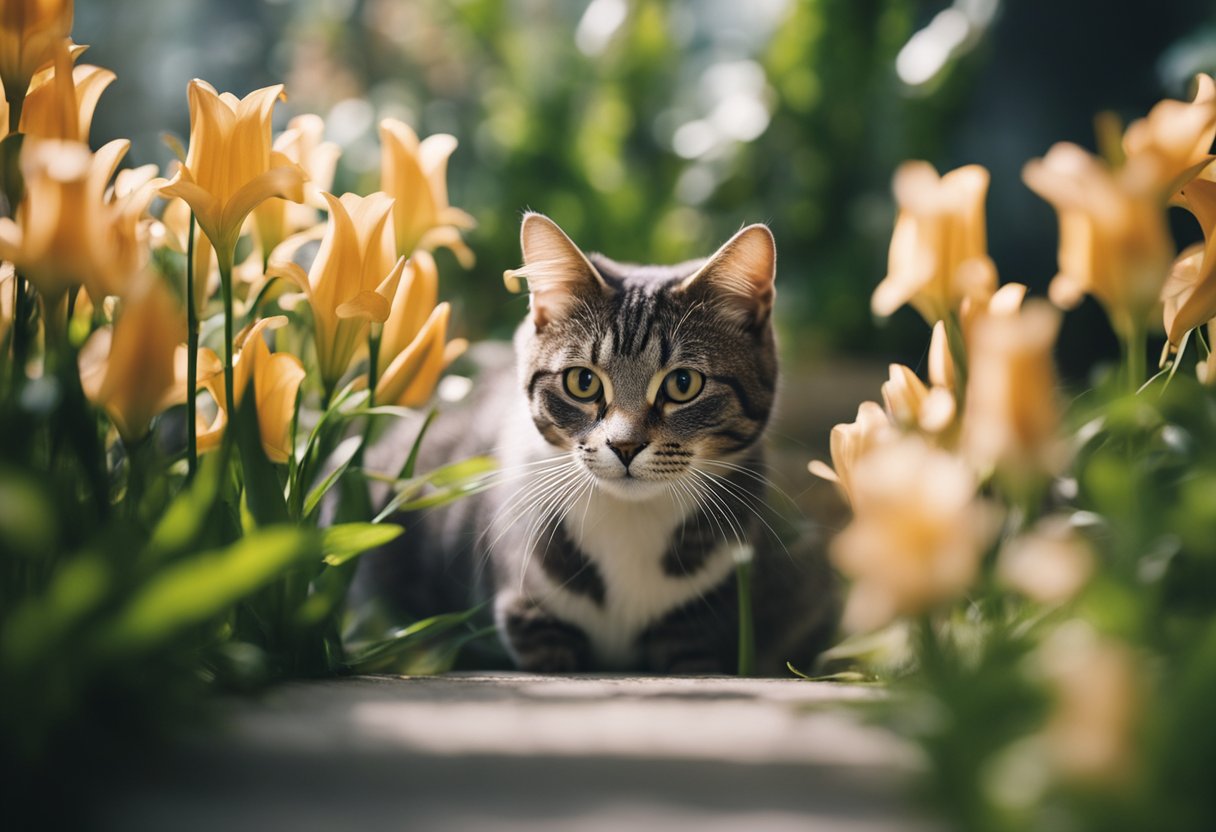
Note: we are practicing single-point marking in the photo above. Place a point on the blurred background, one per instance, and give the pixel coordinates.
(652, 130)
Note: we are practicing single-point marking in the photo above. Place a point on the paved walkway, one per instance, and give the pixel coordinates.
(520, 752)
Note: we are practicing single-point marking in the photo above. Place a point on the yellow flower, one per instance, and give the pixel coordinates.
(918, 532)
(1091, 733)
(415, 174)
(276, 380)
(850, 443)
(128, 368)
(413, 352)
(351, 281)
(1010, 418)
(1048, 564)
(1189, 294)
(172, 233)
(29, 31)
(1114, 243)
(1174, 141)
(230, 167)
(277, 219)
(68, 232)
(939, 250)
(208, 428)
(913, 406)
(61, 99)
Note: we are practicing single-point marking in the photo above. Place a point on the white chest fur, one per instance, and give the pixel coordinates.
(626, 540)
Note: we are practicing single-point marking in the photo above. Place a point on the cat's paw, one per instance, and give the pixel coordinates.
(542, 643)
(676, 659)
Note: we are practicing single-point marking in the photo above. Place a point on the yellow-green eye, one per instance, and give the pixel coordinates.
(583, 385)
(683, 385)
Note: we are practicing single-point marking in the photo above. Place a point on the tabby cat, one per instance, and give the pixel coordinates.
(630, 441)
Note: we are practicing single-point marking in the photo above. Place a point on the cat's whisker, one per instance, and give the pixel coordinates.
(544, 510)
(746, 471)
(708, 503)
(722, 501)
(526, 499)
(747, 499)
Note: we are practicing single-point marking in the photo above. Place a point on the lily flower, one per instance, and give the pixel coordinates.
(413, 347)
(1189, 294)
(277, 219)
(1166, 148)
(918, 532)
(61, 99)
(67, 232)
(850, 443)
(208, 430)
(1114, 243)
(939, 249)
(1092, 729)
(913, 406)
(128, 368)
(276, 380)
(351, 281)
(415, 174)
(29, 31)
(230, 167)
(1011, 418)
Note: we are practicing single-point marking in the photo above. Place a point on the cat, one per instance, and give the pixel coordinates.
(630, 441)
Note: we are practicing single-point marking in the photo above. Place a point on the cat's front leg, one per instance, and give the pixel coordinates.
(698, 639)
(539, 641)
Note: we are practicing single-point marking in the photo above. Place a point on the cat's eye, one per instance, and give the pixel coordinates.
(683, 385)
(583, 385)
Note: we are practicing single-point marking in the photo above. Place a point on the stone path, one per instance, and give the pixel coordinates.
(520, 752)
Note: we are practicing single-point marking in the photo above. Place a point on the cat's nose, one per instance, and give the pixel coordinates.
(626, 451)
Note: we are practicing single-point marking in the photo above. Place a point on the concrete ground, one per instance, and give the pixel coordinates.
(521, 752)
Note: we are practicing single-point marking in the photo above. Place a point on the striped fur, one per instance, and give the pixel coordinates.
(611, 543)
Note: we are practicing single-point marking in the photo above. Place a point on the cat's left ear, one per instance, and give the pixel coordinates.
(558, 272)
(741, 275)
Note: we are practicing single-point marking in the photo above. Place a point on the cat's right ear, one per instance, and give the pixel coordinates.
(557, 271)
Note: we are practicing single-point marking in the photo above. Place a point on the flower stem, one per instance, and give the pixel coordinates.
(747, 635)
(20, 333)
(1135, 347)
(224, 261)
(191, 358)
(958, 354)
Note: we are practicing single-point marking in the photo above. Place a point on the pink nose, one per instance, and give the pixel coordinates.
(626, 451)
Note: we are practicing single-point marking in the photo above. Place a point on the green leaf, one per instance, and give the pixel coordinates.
(263, 493)
(454, 481)
(191, 591)
(27, 520)
(190, 512)
(340, 544)
(34, 629)
(343, 455)
(381, 654)
(407, 470)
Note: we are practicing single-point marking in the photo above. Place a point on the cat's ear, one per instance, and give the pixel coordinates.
(558, 272)
(740, 276)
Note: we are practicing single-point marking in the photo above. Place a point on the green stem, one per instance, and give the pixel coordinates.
(747, 635)
(373, 376)
(15, 107)
(224, 261)
(1135, 348)
(20, 333)
(958, 354)
(191, 359)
